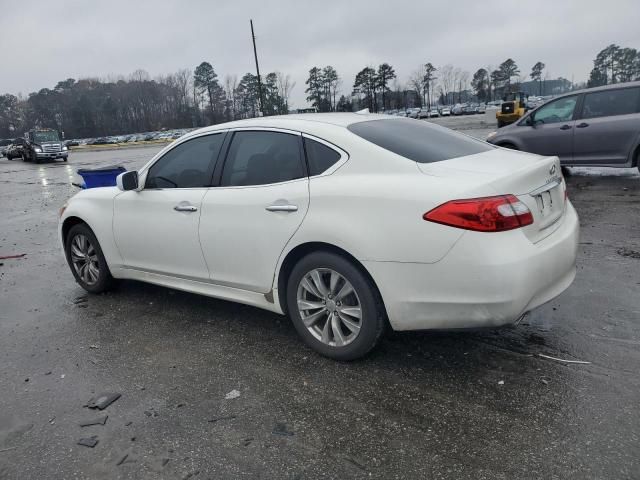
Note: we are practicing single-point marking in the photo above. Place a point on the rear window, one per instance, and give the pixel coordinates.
(417, 140)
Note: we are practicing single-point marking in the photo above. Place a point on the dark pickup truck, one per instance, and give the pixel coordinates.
(42, 144)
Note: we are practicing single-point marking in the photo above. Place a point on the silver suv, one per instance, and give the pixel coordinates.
(593, 127)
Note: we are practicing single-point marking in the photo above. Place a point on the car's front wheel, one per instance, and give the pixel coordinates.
(86, 260)
(334, 306)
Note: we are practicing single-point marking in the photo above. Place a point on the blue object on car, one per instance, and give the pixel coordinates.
(100, 177)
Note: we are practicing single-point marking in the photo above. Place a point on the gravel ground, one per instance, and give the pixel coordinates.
(212, 389)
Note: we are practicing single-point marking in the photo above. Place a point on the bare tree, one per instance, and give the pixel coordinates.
(285, 86)
(448, 77)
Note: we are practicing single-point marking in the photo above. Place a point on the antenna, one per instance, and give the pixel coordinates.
(255, 55)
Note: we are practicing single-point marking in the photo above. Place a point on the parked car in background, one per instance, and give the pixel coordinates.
(457, 109)
(15, 149)
(342, 270)
(480, 108)
(4, 145)
(424, 113)
(434, 112)
(413, 112)
(592, 127)
(445, 111)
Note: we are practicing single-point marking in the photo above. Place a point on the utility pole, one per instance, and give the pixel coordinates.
(255, 55)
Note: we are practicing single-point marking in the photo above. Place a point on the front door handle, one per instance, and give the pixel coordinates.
(185, 208)
(582, 125)
(282, 208)
(565, 127)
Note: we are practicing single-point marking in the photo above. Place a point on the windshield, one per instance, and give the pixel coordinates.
(46, 136)
(418, 141)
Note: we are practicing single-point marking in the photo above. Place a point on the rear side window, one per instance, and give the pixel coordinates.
(319, 156)
(261, 158)
(418, 140)
(189, 165)
(608, 103)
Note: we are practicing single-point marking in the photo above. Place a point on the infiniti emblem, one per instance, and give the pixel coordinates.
(552, 170)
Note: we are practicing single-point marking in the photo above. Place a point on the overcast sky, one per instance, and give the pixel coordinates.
(47, 41)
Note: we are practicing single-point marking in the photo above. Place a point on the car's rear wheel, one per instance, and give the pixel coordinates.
(334, 306)
(86, 260)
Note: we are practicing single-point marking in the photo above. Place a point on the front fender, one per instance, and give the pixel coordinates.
(95, 208)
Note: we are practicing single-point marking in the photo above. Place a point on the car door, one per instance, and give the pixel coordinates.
(261, 197)
(549, 130)
(156, 228)
(608, 127)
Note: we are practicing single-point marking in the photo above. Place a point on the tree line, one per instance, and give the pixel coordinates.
(95, 107)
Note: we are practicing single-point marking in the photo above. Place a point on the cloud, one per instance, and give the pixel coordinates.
(51, 41)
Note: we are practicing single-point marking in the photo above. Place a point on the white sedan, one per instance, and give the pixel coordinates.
(347, 223)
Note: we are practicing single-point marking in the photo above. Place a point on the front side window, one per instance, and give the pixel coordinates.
(557, 111)
(261, 158)
(608, 103)
(319, 156)
(421, 142)
(189, 165)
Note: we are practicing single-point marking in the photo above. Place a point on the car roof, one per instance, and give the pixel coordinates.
(611, 86)
(293, 120)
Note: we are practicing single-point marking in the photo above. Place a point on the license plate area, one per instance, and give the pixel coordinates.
(550, 204)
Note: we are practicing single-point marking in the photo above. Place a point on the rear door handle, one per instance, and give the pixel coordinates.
(282, 208)
(565, 127)
(181, 207)
(582, 125)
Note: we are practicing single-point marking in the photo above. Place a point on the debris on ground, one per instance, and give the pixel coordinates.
(217, 419)
(7, 257)
(94, 346)
(89, 442)
(103, 400)
(501, 382)
(627, 252)
(189, 475)
(281, 429)
(125, 459)
(96, 421)
(562, 360)
(78, 300)
(151, 412)
(232, 394)
(544, 380)
(7, 449)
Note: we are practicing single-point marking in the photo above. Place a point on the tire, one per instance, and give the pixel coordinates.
(510, 146)
(24, 158)
(335, 336)
(87, 278)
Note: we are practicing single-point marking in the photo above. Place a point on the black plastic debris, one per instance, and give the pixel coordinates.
(281, 429)
(217, 419)
(96, 421)
(89, 442)
(103, 400)
(125, 459)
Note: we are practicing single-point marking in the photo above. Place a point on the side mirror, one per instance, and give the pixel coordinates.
(127, 181)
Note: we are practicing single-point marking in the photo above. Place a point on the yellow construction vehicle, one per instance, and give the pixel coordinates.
(514, 104)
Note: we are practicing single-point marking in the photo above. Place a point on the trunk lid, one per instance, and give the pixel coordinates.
(537, 182)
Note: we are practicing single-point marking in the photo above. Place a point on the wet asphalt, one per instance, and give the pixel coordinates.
(475, 404)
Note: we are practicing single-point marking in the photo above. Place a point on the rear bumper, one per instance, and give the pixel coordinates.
(485, 280)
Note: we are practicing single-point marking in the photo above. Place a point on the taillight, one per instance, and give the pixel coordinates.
(487, 214)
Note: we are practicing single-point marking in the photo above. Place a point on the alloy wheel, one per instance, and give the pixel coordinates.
(84, 258)
(329, 307)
